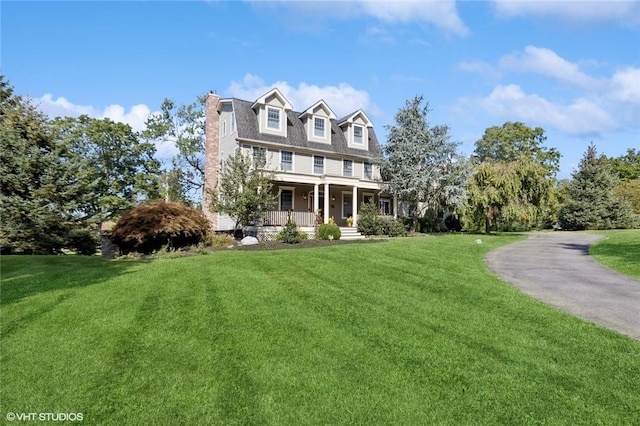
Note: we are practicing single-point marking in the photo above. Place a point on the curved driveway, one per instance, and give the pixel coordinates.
(556, 268)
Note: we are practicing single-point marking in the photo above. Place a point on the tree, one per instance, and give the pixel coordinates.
(123, 168)
(243, 191)
(184, 126)
(44, 183)
(514, 140)
(592, 203)
(421, 165)
(630, 190)
(507, 191)
(172, 187)
(157, 224)
(627, 166)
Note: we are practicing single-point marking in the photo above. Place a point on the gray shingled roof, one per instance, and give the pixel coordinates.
(247, 126)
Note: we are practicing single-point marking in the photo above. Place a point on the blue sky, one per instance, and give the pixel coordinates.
(570, 67)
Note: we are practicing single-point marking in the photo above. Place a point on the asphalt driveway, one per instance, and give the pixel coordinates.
(556, 268)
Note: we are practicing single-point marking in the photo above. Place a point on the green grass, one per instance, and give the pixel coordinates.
(408, 331)
(619, 251)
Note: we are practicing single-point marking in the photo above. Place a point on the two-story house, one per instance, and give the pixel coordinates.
(322, 165)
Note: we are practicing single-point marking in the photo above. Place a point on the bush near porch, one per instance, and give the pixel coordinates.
(371, 223)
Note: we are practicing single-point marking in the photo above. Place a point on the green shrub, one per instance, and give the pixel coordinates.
(150, 226)
(370, 223)
(329, 231)
(393, 228)
(290, 233)
(368, 220)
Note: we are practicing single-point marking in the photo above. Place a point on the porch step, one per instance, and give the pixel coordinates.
(350, 234)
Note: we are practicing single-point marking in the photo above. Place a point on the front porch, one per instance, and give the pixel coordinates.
(311, 204)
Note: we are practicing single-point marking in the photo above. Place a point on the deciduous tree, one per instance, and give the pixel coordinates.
(184, 126)
(121, 166)
(243, 191)
(511, 141)
(627, 166)
(507, 191)
(421, 165)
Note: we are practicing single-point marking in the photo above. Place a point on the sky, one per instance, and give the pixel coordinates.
(570, 67)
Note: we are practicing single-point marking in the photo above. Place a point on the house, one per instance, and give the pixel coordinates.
(322, 165)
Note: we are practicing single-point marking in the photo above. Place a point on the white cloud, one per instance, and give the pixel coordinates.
(342, 99)
(441, 13)
(586, 11)
(625, 86)
(546, 62)
(601, 105)
(510, 103)
(135, 117)
(62, 107)
(624, 94)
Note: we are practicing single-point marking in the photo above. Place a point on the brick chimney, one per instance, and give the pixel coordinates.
(211, 154)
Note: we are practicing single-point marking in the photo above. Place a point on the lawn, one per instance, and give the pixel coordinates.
(408, 331)
(619, 251)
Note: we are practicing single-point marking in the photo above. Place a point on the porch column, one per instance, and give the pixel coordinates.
(395, 207)
(326, 202)
(355, 205)
(316, 201)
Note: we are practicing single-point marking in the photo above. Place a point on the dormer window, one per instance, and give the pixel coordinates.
(358, 135)
(317, 122)
(356, 130)
(319, 127)
(273, 118)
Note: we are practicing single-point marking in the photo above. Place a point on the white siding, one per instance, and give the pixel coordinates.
(333, 166)
(357, 169)
(303, 163)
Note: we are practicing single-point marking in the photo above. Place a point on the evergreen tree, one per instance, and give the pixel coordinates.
(44, 184)
(591, 202)
(421, 166)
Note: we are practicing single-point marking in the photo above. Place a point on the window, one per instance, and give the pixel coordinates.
(358, 135)
(347, 168)
(273, 118)
(347, 205)
(318, 164)
(368, 171)
(286, 160)
(233, 122)
(286, 199)
(224, 127)
(318, 127)
(259, 156)
(385, 207)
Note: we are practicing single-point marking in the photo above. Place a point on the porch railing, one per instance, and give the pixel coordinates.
(277, 218)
